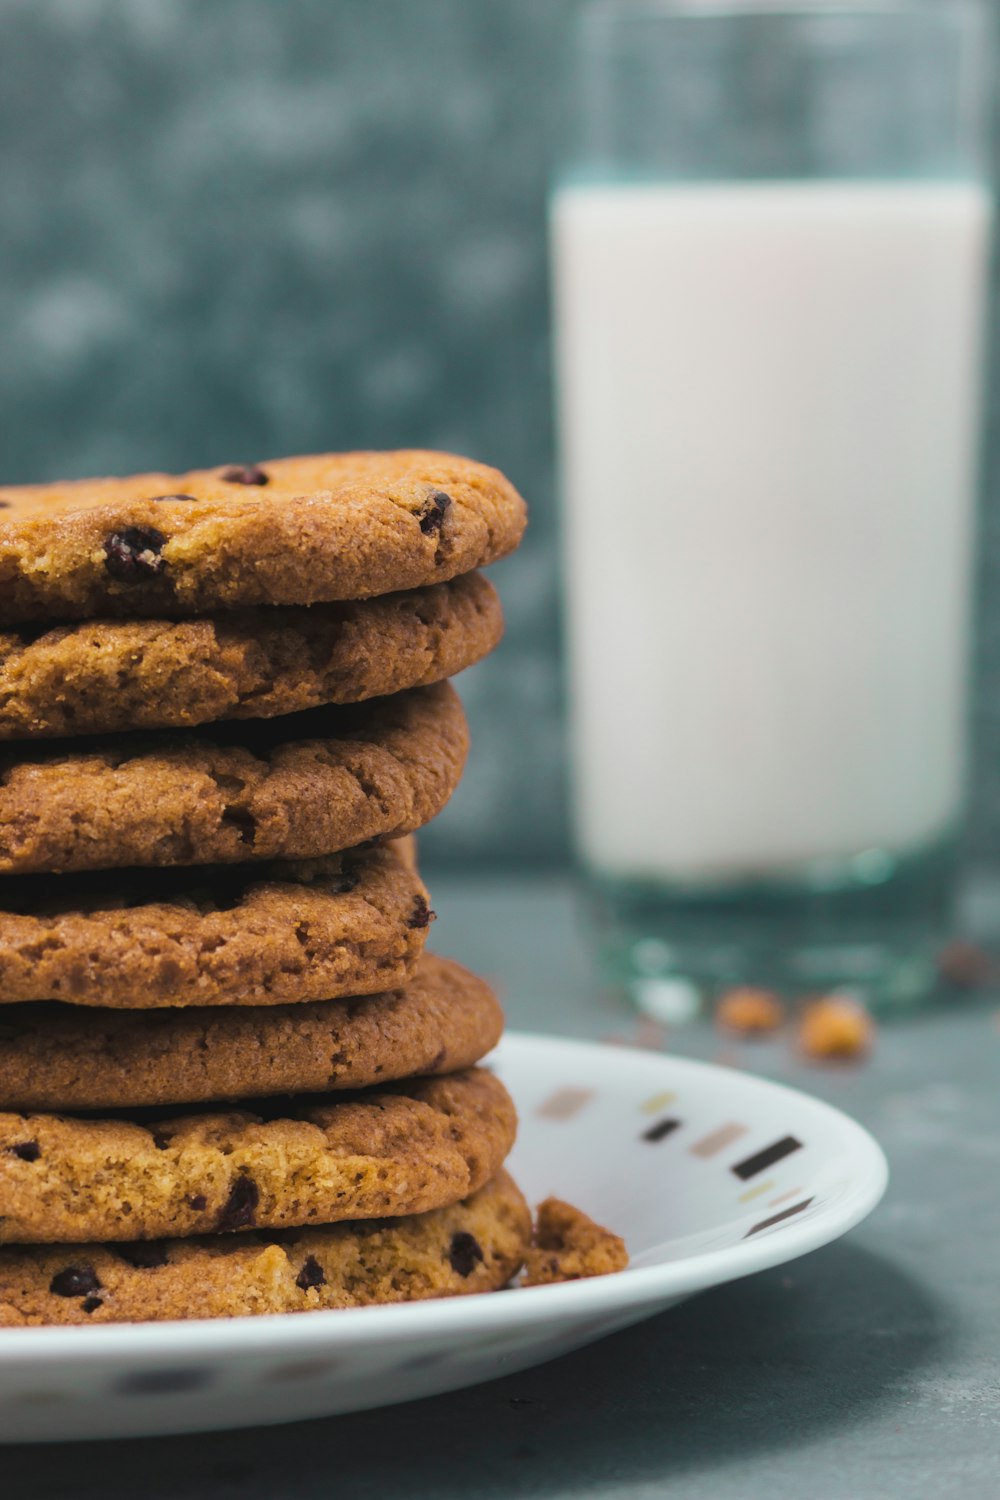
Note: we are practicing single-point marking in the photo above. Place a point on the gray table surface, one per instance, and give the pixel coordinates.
(868, 1369)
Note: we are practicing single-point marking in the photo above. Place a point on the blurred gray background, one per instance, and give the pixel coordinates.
(231, 229)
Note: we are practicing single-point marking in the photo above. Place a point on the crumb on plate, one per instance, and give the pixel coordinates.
(569, 1246)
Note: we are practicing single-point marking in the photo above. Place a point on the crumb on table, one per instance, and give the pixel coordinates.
(749, 1011)
(835, 1026)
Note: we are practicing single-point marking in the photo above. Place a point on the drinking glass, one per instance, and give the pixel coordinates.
(770, 239)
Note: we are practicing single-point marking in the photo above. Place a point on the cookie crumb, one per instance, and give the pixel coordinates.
(569, 1246)
(836, 1026)
(748, 1011)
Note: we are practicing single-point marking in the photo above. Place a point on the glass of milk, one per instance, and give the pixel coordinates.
(770, 247)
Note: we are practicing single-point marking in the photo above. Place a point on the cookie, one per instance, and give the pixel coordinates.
(569, 1246)
(289, 531)
(476, 1245)
(387, 1152)
(105, 676)
(261, 935)
(57, 1058)
(298, 787)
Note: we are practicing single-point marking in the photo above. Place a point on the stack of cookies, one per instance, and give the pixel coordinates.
(231, 1081)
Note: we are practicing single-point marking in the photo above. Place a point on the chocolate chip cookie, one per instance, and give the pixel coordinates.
(288, 531)
(475, 1245)
(400, 1150)
(102, 676)
(261, 935)
(298, 787)
(53, 1057)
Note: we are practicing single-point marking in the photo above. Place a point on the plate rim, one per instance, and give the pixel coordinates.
(408, 1323)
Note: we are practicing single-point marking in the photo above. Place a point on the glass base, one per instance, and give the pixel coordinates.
(873, 925)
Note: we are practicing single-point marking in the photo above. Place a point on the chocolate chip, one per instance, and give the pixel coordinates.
(339, 885)
(26, 1150)
(75, 1281)
(155, 499)
(160, 1139)
(422, 916)
(198, 1202)
(312, 1274)
(433, 512)
(438, 1061)
(144, 1255)
(240, 1207)
(134, 555)
(91, 1304)
(244, 474)
(4, 505)
(464, 1253)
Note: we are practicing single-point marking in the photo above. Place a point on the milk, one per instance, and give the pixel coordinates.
(768, 408)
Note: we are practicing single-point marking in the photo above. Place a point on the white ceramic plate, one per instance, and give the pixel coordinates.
(709, 1174)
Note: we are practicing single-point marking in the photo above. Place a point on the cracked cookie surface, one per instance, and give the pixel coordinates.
(105, 676)
(475, 1245)
(404, 1149)
(56, 1058)
(287, 531)
(298, 787)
